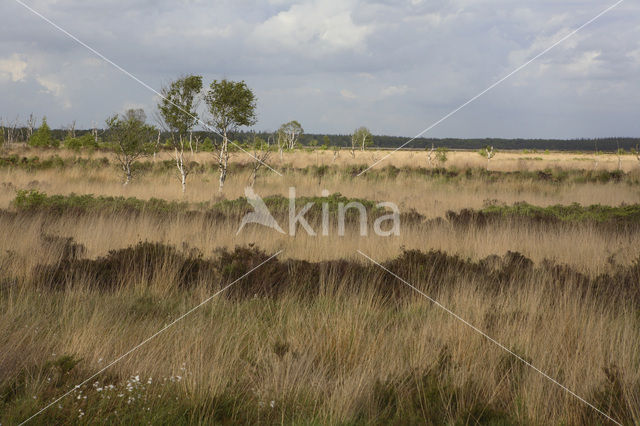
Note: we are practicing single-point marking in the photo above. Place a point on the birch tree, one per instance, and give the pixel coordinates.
(336, 153)
(71, 130)
(362, 138)
(177, 110)
(261, 154)
(619, 153)
(289, 133)
(231, 105)
(441, 155)
(430, 155)
(94, 132)
(488, 152)
(11, 128)
(31, 124)
(131, 137)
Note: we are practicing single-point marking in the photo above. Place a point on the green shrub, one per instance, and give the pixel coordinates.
(570, 213)
(441, 155)
(42, 137)
(85, 141)
(33, 200)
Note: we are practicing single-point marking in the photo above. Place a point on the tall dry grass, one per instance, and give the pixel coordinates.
(339, 357)
(586, 247)
(503, 161)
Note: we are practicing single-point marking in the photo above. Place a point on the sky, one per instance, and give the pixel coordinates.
(395, 67)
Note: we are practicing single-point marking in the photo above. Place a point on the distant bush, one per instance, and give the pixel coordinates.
(145, 262)
(570, 213)
(34, 201)
(441, 155)
(279, 207)
(86, 141)
(42, 137)
(54, 162)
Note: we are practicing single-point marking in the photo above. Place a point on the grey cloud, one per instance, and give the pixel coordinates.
(337, 64)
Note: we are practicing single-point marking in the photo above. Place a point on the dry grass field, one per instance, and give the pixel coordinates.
(320, 335)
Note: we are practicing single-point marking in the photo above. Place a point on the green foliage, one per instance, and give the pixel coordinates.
(289, 133)
(34, 201)
(207, 145)
(361, 138)
(259, 144)
(485, 152)
(131, 139)
(231, 105)
(54, 162)
(570, 213)
(441, 155)
(279, 205)
(86, 141)
(129, 135)
(42, 137)
(178, 105)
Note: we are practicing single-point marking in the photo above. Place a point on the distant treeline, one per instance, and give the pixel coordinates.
(604, 144)
(389, 142)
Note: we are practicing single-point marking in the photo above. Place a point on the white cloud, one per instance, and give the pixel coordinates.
(394, 90)
(13, 68)
(54, 87)
(314, 27)
(51, 85)
(585, 63)
(541, 43)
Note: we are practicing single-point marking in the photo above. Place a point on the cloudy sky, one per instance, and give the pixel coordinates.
(393, 66)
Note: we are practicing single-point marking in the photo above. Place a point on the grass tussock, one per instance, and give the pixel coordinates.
(431, 271)
(332, 342)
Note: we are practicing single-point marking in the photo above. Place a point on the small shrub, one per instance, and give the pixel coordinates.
(42, 137)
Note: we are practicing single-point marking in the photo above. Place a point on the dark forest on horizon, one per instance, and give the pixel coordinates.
(316, 140)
